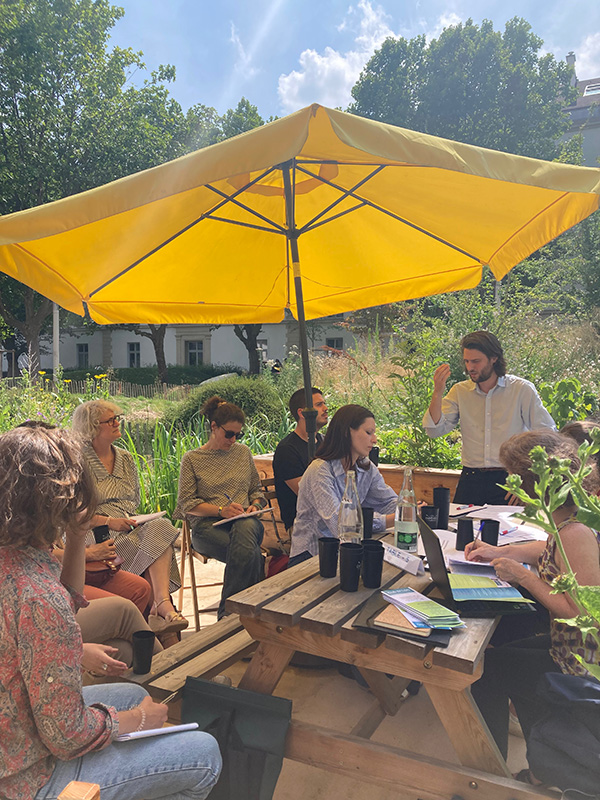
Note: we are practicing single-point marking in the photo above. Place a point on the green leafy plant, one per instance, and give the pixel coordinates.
(554, 485)
(567, 400)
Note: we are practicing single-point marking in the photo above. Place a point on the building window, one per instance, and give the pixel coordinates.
(133, 354)
(83, 355)
(336, 342)
(262, 345)
(591, 88)
(193, 354)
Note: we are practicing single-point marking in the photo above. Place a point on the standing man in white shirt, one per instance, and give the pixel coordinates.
(491, 407)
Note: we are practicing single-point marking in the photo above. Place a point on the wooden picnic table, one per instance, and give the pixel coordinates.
(298, 610)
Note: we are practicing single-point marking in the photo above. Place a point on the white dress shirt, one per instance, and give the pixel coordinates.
(488, 420)
(320, 495)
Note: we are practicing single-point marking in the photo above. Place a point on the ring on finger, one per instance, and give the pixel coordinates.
(104, 667)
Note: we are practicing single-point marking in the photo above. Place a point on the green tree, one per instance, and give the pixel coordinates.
(471, 84)
(68, 120)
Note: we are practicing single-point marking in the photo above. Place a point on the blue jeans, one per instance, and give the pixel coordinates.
(178, 766)
(237, 544)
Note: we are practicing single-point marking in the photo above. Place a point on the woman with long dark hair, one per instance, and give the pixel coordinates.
(346, 446)
(219, 481)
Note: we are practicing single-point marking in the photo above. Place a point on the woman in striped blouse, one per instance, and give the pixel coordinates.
(219, 481)
(146, 549)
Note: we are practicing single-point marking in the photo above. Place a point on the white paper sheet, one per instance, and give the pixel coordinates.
(141, 518)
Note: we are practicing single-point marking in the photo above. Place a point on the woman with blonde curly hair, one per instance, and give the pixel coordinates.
(512, 670)
(52, 730)
(145, 549)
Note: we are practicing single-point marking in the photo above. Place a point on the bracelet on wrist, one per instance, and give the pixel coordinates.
(220, 511)
(140, 727)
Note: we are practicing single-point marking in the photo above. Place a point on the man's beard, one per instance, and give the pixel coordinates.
(483, 376)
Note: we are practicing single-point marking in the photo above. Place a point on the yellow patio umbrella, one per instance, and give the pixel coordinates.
(352, 213)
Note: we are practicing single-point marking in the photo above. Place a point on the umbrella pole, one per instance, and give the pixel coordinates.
(310, 413)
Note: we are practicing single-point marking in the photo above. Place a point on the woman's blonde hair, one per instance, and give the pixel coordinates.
(45, 486)
(87, 416)
(514, 457)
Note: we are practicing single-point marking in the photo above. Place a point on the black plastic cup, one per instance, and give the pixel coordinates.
(328, 556)
(489, 531)
(101, 533)
(375, 544)
(430, 515)
(441, 500)
(372, 565)
(464, 533)
(351, 556)
(367, 514)
(143, 647)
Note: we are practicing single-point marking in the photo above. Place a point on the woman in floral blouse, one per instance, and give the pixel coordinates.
(51, 730)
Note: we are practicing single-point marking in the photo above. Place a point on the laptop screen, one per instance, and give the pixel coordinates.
(435, 559)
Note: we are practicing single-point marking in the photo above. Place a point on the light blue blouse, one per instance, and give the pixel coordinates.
(320, 495)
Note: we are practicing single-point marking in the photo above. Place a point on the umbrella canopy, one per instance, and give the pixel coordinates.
(320, 212)
(375, 214)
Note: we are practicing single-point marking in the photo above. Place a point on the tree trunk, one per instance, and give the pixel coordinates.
(158, 340)
(248, 335)
(31, 326)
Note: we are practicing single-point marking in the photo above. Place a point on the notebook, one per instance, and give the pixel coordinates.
(466, 608)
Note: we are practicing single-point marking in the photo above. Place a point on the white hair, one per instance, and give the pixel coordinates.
(86, 418)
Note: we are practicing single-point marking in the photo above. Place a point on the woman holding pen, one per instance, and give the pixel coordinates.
(52, 730)
(217, 482)
(512, 671)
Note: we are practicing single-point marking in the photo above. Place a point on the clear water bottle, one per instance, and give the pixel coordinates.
(350, 521)
(405, 521)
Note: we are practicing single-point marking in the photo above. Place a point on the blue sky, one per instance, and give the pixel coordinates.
(285, 54)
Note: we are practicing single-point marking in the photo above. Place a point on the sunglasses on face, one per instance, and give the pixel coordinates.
(231, 434)
(116, 420)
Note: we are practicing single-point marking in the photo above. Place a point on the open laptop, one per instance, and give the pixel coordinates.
(439, 575)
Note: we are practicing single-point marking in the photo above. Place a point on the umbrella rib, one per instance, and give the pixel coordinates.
(310, 227)
(49, 268)
(245, 224)
(183, 230)
(231, 199)
(310, 224)
(350, 193)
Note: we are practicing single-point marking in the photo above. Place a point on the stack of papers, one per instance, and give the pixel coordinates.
(391, 618)
(416, 607)
(472, 587)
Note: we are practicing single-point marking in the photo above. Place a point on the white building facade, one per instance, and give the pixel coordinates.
(190, 345)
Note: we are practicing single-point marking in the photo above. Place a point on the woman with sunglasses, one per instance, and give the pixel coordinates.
(219, 481)
(145, 549)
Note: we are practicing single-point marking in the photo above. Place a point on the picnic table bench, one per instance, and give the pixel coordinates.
(203, 654)
(299, 611)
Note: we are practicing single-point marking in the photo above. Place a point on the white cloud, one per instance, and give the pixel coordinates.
(588, 57)
(444, 21)
(243, 62)
(327, 78)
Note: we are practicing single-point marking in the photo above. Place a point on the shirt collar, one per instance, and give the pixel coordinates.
(99, 470)
(501, 382)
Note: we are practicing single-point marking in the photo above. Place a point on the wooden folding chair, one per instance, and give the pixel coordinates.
(268, 486)
(189, 554)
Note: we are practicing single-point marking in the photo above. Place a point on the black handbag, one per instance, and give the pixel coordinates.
(250, 729)
(563, 748)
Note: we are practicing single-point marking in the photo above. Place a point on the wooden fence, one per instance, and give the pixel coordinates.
(167, 391)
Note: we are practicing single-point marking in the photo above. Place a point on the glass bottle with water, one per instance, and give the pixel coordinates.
(350, 522)
(405, 521)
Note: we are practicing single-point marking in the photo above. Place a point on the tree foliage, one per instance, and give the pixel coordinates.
(472, 84)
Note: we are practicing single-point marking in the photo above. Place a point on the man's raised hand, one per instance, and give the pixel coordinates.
(440, 377)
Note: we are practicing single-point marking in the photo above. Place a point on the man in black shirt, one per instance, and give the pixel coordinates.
(291, 455)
